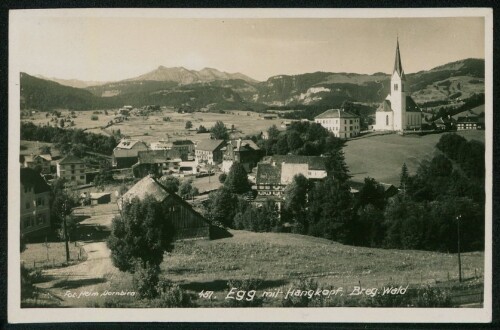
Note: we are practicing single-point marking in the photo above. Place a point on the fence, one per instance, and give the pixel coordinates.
(56, 262)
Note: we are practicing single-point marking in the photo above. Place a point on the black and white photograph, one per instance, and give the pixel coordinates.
(307, 165)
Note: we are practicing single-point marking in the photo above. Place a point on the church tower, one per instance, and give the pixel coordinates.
(398, 93)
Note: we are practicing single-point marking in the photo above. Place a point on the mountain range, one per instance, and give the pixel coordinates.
(213, 90)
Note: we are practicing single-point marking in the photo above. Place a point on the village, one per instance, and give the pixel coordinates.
(197, 165)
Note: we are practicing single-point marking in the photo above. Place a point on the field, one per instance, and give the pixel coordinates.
(37, 255)
(278, 259)
(154, 128)
(381, 157)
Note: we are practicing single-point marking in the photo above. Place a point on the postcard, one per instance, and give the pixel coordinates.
(285, 165)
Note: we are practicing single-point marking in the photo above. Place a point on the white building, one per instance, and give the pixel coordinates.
(398, 112)
(341, 123)
(72, 169)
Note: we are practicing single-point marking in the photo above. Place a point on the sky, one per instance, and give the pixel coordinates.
(116, 48)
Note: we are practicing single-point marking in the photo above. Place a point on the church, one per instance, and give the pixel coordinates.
(398, 112)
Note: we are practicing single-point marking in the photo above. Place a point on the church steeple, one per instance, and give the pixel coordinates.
(397, 63)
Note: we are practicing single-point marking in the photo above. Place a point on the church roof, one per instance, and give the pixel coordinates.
(411, 106)
(397, 62)
(385, 106)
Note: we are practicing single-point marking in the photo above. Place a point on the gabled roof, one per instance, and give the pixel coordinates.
(385, 106)
(70, 159)
(242, 145)
(411, 106)
(336, 113)
(31, 178)
(209, 144)
(149, 186)
(157, 156)
(468, 119)
(268, 173)
(128, 144)
(315, 162)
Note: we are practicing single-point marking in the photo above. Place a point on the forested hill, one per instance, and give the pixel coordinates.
(458, 80)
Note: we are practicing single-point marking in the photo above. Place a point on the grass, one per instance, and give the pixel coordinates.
(381, 157)
(277, 259)
(35, 255)
(154, 128)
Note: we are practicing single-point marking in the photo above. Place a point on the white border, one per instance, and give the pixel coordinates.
(404, 315)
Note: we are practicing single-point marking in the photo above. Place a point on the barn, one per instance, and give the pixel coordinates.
(188, 223)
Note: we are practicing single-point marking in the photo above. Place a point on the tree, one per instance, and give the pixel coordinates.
(404, 177)
(201, 129)
(222, 206)
(189, 124)
(371, 193)
(186, 189)
(294, 141)
(222, 177)
(273, 133)
(45, 150)
(61, 123)
(237, 179)
(281, 146)
(296, 201)
(219, 131)
(170, 183)
(141, 234)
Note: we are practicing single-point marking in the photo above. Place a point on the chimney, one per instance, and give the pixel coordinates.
(238, 143)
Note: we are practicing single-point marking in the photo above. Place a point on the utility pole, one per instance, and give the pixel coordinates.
(65, 229)
(458, 248)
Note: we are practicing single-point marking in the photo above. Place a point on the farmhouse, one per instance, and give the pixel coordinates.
(187, 223)
(398, 112)
(100, 198)
(72, 169)
(35, 206)
(245, 152)
(470, 122)
(209, 151)
(157, 162)
(40, 162)
(185, 147)
(341, 123)
(125, 153)
(274, 173)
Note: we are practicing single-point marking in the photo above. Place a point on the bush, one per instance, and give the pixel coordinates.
(172, 296)
(94, 117)
(145, 280)
(222, 177)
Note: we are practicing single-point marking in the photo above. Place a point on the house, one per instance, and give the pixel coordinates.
(341, 123)
(125, 153)
(398, 112)
(35, 204)
(100, 198)
(187, 223)
(469, 121)
(157, 162)
(446, 123)
(39, 162)
(274, 173)
(245, 152)
(209, 151)
(72, 169)
(184, 147)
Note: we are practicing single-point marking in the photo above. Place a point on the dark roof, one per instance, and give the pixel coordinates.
(385, 106)
(314, 162)
(157, 156)
(336, 113)
(268, 173)
(209, 144)
(149, 186)
(182, 142)
(397, 62)
(70, 159)
(467, 119)
(411, 106)
(242, 145)
(31, 178)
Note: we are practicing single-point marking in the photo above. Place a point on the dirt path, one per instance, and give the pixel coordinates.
(91, 275)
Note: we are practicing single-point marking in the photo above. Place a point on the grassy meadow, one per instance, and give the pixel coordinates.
(381, 157)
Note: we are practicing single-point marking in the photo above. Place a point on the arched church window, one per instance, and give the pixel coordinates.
(387, 120)
(395, 87)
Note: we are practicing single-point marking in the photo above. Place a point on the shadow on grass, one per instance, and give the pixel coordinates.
(73, 284)
(91, 233)
(217, 232)
(221, 285)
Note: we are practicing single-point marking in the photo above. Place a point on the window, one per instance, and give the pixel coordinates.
(72, 178)
(82, 177)
(41, 219)
(350, 128)
(26, 222)
(40, 201)
(350, 121)
(387, 120)
(72, 171)
(395, 87)
(28, 205)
